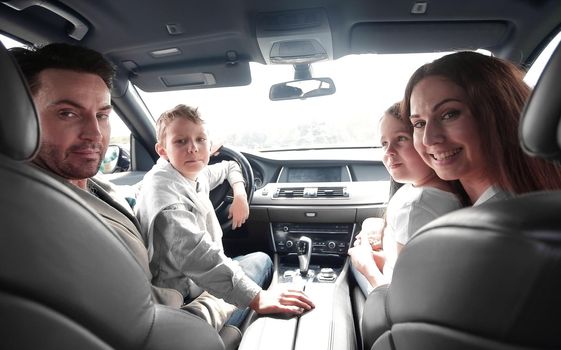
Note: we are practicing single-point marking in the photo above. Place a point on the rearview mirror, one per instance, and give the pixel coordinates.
(302, 89)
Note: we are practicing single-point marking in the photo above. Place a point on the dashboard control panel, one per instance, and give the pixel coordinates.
(327, 239)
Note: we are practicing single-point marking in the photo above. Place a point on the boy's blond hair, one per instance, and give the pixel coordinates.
(179, 111)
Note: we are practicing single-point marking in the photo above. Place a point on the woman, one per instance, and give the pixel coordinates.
(465, 110)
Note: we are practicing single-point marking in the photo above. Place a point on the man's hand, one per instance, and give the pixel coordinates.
(239, 210)
(281, 301)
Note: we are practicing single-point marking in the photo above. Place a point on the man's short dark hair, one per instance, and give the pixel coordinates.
(33, 61)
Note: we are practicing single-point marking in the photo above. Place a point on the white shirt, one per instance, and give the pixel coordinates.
(408, 210)
(492, 194)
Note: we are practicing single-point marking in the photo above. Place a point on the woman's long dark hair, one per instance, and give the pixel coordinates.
(496, 97)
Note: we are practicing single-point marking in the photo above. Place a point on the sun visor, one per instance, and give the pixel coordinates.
(403, 37)
(197, 76)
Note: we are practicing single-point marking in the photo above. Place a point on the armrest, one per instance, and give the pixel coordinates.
(176, 329)
(374, 318)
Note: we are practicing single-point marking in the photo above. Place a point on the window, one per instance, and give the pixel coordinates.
(536, 70)
(9, 42)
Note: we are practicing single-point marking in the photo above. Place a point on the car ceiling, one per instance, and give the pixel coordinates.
(221, 36)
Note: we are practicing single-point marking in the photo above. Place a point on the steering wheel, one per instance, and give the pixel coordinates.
(222, 196)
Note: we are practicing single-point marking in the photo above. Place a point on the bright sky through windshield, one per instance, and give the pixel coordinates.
(245, 117)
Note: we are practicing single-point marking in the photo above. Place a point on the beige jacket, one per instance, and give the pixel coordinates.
(117, 213)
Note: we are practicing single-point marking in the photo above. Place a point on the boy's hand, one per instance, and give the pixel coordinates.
(239, 210)
(281, 300)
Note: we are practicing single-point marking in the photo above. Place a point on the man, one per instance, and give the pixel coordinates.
(70, 86)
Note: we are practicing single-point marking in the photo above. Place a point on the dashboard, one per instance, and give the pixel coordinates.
(321, 194)
(320, 177)
(324, 194)
(334, 173)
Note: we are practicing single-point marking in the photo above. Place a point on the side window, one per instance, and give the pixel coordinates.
(117, 158)
(9, 42)
(536, 70)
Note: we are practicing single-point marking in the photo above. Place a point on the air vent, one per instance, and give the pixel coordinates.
(329, 192)
(311, 192)
(290, 192)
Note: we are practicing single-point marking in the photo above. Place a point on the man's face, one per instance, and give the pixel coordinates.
(73, 112)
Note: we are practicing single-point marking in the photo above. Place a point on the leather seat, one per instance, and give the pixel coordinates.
(486, 277)
(67, 281)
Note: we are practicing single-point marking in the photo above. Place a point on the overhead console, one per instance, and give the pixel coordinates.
(291, 37)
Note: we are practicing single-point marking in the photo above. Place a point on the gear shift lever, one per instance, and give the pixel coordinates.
(304, 250)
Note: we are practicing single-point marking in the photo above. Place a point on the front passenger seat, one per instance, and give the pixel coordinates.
(487, 277)
(67, 281)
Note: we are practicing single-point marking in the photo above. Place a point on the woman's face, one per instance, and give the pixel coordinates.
(445, 131)
(400, 157)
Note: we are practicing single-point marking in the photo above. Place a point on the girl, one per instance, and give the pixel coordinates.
(422, 198)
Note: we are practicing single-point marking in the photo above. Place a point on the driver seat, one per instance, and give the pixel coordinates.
(67, 280)
(485, 277)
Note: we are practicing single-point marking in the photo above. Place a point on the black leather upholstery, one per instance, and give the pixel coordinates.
(486, 277)
(483, 274)
(540, 128)
(67, 281)
(19, 136)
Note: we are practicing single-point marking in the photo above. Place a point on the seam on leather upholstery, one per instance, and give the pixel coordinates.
(390, 340)
(387, 308)
(152, 323)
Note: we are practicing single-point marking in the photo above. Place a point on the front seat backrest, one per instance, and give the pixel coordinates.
(540, 127)
(485, 277)
(67, 281)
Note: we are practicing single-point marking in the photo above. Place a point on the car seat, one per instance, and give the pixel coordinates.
(67, 281)
(485, 277)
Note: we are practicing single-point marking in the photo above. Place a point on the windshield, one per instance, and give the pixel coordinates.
(244, 117)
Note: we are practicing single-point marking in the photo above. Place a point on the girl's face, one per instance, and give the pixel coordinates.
(400, 157)
(445, 131)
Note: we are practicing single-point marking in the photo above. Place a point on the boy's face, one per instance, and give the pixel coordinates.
(186, 147)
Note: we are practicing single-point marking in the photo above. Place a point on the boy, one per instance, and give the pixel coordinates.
(183, 234)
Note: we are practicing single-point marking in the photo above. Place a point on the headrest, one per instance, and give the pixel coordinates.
(19, 126)
(540, 128)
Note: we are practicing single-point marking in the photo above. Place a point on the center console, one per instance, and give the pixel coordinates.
(327, 239)
(311, 257)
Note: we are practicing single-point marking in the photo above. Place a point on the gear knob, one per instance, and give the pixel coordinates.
(304, 251)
